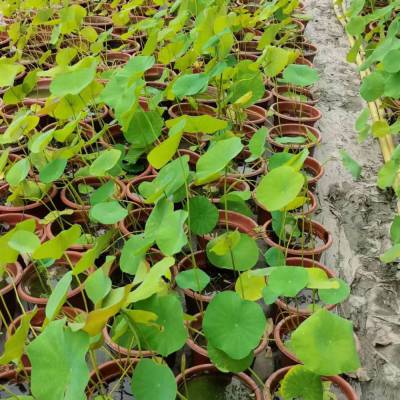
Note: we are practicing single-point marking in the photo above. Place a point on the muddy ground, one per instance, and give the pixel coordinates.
(357, 213)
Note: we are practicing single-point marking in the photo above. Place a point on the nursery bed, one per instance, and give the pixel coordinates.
(356, 212)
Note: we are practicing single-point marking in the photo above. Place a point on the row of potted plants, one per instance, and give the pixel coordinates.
(158, 196)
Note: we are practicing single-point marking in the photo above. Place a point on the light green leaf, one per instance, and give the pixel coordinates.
(233, 325)
(203, 215)
(300, 75)
(58, 296)
(279, 188)
(215, 160)
(108, 213)
(190, 84)
(351, 165)
(24, 242)
(332, 350)
(53, 170)
(194, 279)
(55, 248)
(154, 381)
(15, 345)
(58, 356)
(106, 160)
(18, 172)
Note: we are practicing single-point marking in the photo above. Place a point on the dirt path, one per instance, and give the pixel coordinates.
(357, 213)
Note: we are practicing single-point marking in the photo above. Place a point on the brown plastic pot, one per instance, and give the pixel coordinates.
(8, 300)
(195, 301)
(256, 115)
(263, 215)
(284, 327)
(209, 97)
(315, 168)
(308, 50)
(66, 195)
(37, 322)
(4, 40)
(259, 167)
(13, 219)
(306, 263)
(155, 73)
(123, 351)
(127, 46)
(288, 112)
(112, 59)
(108, 372)
(42, 91)
(232, 184)
(267, 100)
(186, 109)
(236, 221)
(200, 354)
(313, 228)
(248, 47)
(136, 216)
(98, 21)
(132, 186)
(78, 217)
(279, 94)
(37, 208)
(211, 369)
(294, 130)
(8, 111)
(74, 296)
(273, 382)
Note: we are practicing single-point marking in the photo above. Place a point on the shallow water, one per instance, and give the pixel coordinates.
(216, 387)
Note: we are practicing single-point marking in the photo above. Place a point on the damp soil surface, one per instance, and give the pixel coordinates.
(357, 213)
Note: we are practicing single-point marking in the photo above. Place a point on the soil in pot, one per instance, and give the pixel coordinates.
(40, 285)
(90, 231)
(215, 190)
(313, 239)
(116, 389)
(290, 111)
(77, 195)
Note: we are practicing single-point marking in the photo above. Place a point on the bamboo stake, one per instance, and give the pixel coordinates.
(375, 107)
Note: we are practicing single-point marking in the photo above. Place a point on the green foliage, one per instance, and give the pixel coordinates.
(333, 351)
(233, 325)
(152, 380)
(279, 188)
(59, 346)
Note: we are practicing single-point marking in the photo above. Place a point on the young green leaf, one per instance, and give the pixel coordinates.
(108, 213)
(325, 330)
(151, 380)
(242, 256)
(55, 248)
(351, 165)
(279, 187)
(299, 382)
(257, 144)
(18, 172)
(233, 325)
(300, 75)
(59, 346)
(53, 170)
(190, 84)
(58, 296)
(203, 215)
(194, 279)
